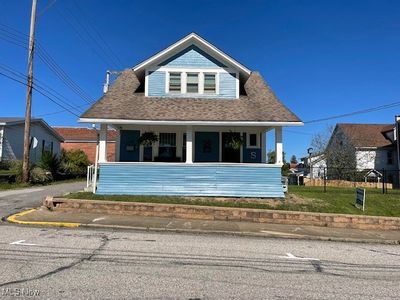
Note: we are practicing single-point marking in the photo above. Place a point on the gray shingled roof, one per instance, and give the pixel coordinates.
(123, 102)
(366, 135)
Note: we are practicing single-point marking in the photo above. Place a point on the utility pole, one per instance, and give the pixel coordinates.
(27, 130)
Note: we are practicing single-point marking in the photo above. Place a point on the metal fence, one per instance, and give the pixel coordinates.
(384, 179)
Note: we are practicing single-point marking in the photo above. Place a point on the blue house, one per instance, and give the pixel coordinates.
(204, 117)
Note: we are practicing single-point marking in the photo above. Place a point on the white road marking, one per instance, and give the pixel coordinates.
(21, 242)
(98, 219)
(20, 192)
(291, 256)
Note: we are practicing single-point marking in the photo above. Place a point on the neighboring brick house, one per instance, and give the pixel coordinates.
(85, 139)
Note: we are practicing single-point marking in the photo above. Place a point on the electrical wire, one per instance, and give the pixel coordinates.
(40, 92)
(18, 39)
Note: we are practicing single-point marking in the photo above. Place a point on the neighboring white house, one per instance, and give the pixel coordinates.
(364, 147)
(43, 137)
(317, 163)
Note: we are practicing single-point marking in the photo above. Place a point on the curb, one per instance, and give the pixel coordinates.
(278, 235)
(13, 219)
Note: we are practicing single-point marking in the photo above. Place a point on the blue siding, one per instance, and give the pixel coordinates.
(227, 85)
(192, 57)
(190, 180)
(206, 146)
(251, 155)
(156, 83)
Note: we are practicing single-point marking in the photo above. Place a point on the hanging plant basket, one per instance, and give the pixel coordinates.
(234, 141)
(147, 139)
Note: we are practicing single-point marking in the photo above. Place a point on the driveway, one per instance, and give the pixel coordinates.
(13, 201)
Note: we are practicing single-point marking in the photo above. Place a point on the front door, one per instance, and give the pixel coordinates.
(129, 146)
(228, 153)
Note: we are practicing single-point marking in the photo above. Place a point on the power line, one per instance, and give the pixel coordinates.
(18, 38)
(40, 84)
(40, 92)
(48, 90)
(102, 40)
(358, 112)
(82, 32)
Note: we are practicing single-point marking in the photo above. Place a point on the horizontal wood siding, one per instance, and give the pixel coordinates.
(192, 57)
(190, 180)
(156, 82)
(227, 85)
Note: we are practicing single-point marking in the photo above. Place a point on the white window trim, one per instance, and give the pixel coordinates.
(248, 140)
(216, 82)
(201, 72)
(199, 89)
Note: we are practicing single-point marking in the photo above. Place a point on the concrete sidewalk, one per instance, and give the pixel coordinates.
(43, 216)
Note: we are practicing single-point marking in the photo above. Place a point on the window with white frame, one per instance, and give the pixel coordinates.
(174, 82)
(252, 140)
(209, 84)
(192, 83)
(167, 139)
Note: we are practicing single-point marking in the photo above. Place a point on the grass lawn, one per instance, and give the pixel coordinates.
(13, 186)
(300, 198)
(341, 200)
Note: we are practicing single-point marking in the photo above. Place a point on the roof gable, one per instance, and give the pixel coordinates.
(192, 56)
(11, 121)
(192, 40)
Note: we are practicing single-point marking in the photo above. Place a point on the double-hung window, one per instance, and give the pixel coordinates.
(192, 85)
(209, 84)
(174, 82)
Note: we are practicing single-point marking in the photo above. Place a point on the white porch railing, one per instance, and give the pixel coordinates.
(90, 180)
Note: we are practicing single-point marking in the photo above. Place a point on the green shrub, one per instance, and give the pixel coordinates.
(49, 162)
(5, 165)
(40, 175)
(74, 162)
(16, 168)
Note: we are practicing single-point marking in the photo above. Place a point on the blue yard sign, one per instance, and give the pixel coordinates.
(360, 198)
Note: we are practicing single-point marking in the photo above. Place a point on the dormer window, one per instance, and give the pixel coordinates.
(192, 85)
(175, 82)
(209, 84)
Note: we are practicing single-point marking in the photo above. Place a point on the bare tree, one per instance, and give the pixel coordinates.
(338, 151)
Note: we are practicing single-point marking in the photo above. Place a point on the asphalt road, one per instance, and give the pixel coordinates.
(101, 264)
(13, 201)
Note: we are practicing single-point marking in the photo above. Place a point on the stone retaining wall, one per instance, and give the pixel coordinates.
(223, 213)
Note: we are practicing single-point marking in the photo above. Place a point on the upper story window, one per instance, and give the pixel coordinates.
(192, 83)
(209, 84)
(175, 82)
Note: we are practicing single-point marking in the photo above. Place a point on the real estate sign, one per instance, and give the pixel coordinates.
(360, 198)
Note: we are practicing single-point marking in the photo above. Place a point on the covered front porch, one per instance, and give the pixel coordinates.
(192, 144)
(191, 161)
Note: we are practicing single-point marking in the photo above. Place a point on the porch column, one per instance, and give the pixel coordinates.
(189, 145)
(278, 146)
(103, 143)
(264, 158)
